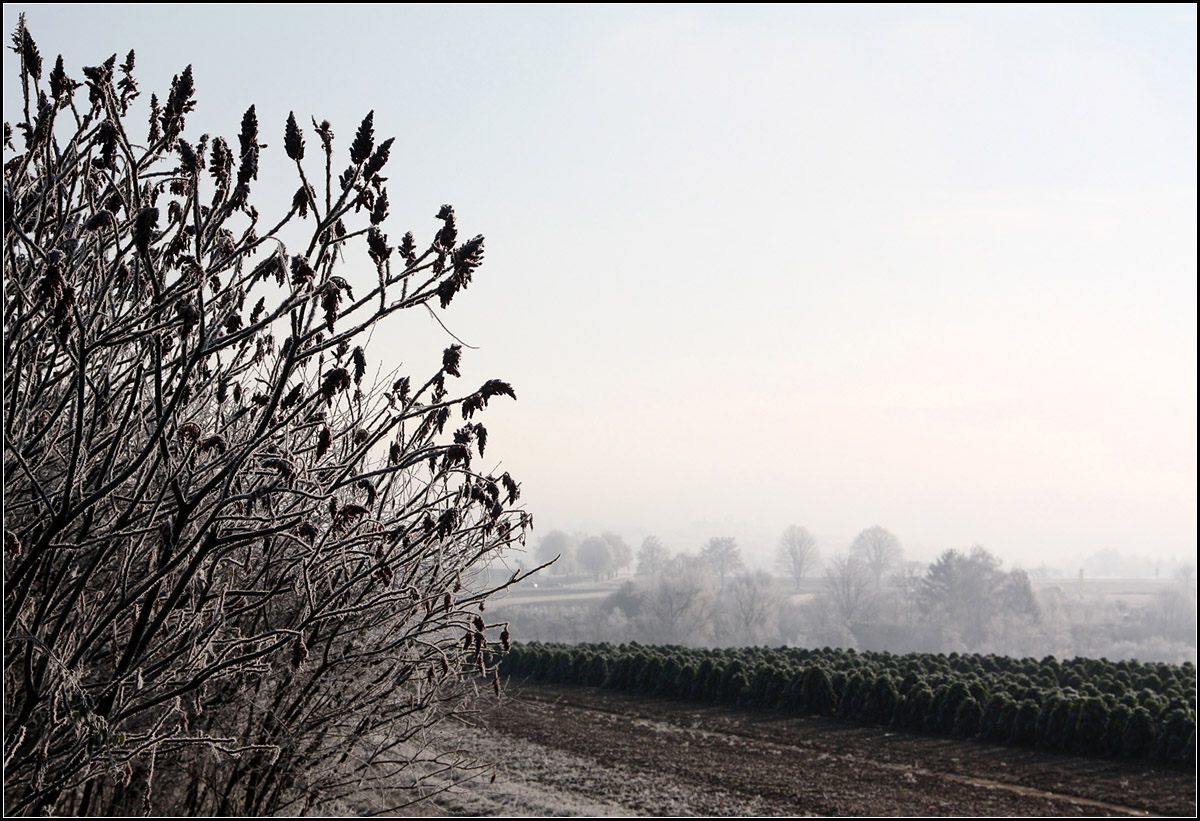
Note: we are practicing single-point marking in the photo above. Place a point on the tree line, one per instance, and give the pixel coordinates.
(866, 597)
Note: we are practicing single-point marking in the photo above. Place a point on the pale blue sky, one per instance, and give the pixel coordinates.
(932, 268)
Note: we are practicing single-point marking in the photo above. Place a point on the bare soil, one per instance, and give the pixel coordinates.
(582, 751)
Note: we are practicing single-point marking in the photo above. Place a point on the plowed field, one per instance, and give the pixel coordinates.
(581, 751)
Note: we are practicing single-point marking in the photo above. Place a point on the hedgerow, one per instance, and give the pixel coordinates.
(1084, 706)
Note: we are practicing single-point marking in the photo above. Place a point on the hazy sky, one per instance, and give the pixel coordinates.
(931, 268)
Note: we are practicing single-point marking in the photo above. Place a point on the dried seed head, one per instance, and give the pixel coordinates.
(378, 160)
(336, 381)
(514, 489)
(143, 228)
(99, 82)
(366, 487)
(127, 84)
(31, 60)
(344, 517)
(451, 358)
(293, 396)
(377, 246)
(300, 202)
(60, 84)
(179, 102)
(466, 258)
(299, 653)
(221, 162)
(380, 210)
(189, 161)
(53, 285)
(293, 142)
(364, 140)
(324, 441)
(302, 272)
(331, 299)
(408, 247)
(101, 219)
(248, 139)
(447, 522)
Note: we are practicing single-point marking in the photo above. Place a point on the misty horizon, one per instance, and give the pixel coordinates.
(932, 269)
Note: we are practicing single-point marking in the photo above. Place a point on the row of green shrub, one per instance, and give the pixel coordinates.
(1084, 706)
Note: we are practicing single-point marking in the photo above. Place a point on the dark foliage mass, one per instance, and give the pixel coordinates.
(1085, 706)
(239, 576)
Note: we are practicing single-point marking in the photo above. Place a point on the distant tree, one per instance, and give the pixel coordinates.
(556, 544)
(1172, 614)
(752, 606)
(628, 597)
(957, 590)
(652, 557)
(906, 581)
(879, 549)
(594, 557)
(678, 605)
(968, 593)
(849, 590)
(798, 554)
(1016, 594)
(622, 556)
(723, 555)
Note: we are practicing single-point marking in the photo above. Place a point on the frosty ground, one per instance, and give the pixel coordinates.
(581, 751)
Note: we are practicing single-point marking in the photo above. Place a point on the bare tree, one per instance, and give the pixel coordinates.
(723, 555)
(850, 591)
(234, 566)
(879, 549)
(653, 557)
(906, 581)
(678, 605)
(798, 554)
(752, 605)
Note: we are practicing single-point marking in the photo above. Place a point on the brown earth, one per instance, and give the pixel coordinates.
(582, 751)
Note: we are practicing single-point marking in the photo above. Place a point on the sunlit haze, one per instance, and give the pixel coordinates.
(930, 268)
